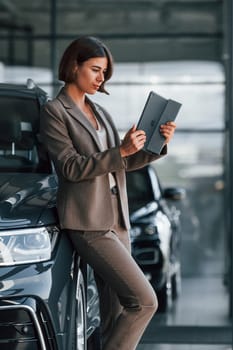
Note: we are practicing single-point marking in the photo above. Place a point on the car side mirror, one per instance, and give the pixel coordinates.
(174, 193)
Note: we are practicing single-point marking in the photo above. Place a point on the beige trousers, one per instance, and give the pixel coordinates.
(127, 300)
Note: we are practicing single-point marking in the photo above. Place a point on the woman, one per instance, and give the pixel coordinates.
(90, 162)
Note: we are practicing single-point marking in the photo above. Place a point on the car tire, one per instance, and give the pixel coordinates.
(163, 299)
(176, 284)
(94, 341)
(80, 323)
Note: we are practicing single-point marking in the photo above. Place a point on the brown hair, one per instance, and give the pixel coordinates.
(79, 51)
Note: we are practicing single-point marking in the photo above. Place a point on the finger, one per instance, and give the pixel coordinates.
(131, 130)
(167, 129)
(167, 133)
(139, 142)
(140, 145)
(167, 136)
(141, 138)
(138, 133)
(171, 124)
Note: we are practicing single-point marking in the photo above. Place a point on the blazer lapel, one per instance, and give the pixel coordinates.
(108, 127)
(77, 114)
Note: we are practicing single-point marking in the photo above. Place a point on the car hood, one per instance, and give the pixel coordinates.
(24, 199)
(144, 213)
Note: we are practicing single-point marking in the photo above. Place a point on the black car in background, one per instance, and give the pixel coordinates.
(48, 297)
(155, 232)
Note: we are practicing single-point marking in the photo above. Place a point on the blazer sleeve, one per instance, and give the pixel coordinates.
(141, 158)
(67, 161)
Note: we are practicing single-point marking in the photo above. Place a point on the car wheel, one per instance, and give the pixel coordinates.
(163, 299)
(176, 284)
(94, 341)
(79, 329)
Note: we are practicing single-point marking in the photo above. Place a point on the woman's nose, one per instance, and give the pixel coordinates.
(101, 76)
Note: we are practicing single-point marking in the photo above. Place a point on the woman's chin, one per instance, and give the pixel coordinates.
(92, 91)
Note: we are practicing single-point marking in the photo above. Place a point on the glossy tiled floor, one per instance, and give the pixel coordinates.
(181, 347)
(203, 302)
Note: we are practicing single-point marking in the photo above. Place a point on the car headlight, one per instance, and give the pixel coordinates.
(27, 245)
(150, 229)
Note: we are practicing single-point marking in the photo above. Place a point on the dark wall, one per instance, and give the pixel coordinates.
(134, 30)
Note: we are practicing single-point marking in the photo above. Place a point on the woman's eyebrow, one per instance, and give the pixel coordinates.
(96, 66)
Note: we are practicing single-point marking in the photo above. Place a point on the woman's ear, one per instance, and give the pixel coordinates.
(75, 71)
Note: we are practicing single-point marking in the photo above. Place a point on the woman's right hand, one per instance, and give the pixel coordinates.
(133, 142)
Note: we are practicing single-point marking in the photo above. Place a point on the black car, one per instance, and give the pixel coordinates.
(48, 297)
(155, 232)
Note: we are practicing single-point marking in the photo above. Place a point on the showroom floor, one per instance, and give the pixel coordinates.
(203, 302)
(182, 347)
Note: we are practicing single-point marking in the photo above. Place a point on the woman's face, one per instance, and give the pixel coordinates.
(90, 74)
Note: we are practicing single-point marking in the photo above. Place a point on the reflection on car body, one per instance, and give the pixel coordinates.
(155, 235)
(48, 297)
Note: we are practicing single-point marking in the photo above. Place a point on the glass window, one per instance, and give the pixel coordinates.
(139, 188)
(19, 126)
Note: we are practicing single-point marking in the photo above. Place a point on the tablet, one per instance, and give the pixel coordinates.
(157, 111)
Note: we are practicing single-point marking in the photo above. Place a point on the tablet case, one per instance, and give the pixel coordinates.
(157, 111)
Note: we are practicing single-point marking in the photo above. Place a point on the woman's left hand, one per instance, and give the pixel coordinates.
(167, 130)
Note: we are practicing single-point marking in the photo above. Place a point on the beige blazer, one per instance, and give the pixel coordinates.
(83, 197)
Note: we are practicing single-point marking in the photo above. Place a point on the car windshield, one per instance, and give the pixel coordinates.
(19, 125)
(139, 189)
